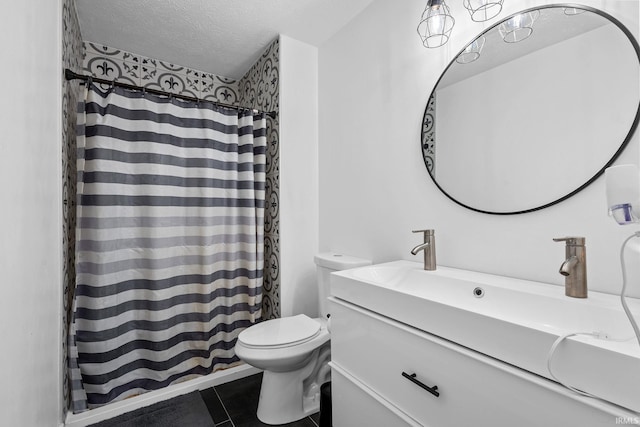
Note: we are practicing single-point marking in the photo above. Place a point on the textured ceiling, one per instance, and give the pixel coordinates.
(223, 37)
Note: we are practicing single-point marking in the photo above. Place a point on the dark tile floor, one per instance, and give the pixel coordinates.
(235, 404)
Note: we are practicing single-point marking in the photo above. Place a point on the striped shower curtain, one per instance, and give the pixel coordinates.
(169, 248)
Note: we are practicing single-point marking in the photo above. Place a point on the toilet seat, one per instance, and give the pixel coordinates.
(281, 333)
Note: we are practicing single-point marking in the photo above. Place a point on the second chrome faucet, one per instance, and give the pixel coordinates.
(428, 247)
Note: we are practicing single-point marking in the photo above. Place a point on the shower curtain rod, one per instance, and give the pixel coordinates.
(70, 75)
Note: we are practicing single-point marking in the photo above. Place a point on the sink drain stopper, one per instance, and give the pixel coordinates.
(478, 292)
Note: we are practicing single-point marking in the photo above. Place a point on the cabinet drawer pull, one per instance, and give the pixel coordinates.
(433, 390)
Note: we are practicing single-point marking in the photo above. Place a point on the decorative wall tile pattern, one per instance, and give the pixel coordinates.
(219, 89)
(429, 136)
(259, 89)
(108, 68)
(115, 64)
(71, 93)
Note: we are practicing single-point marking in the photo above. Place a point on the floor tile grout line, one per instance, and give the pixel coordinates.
(224, 407)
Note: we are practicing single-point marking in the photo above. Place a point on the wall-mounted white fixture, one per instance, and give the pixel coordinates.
(623, 193)
(518, 27)
(471, 52)
(435, 24)
(483, 10)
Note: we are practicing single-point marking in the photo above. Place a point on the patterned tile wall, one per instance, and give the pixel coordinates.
(115, 64)
(259, 89)
(429, 135)
(71, 92)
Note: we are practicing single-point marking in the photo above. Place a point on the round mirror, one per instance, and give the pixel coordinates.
(533, 110)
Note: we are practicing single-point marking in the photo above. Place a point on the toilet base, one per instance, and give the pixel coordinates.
(281, 399)
(290, 396)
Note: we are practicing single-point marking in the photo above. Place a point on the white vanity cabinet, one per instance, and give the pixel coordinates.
(371, 352)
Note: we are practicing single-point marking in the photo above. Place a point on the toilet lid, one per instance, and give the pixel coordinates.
(280, 332)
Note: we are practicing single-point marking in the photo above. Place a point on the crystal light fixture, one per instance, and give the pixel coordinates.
(518, 27)
(483, 10)
(436, 24)
(471, 52)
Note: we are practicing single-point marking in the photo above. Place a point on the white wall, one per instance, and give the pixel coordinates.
(31, 223)
(374, 81)
(298, 176)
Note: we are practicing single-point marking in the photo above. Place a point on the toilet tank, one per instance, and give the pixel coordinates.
(326, 263)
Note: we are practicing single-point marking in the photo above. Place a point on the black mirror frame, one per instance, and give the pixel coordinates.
(624, 144)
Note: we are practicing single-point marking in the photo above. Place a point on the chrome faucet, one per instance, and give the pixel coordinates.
(574, 267)
(428, 247)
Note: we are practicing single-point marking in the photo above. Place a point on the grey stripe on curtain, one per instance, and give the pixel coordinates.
(169, 246)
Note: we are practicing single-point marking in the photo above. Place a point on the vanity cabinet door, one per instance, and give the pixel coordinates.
(353, 404)
(439, 383)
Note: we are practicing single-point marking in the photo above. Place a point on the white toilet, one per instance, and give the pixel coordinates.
(294, 352)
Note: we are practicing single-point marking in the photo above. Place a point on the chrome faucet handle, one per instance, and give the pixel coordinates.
(427, 232)
(571, 241)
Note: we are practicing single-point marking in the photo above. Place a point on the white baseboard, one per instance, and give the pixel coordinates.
(114, 409)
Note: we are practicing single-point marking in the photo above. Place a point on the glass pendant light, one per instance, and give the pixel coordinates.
(436, 24)
(518, 27)
(483, 10)
(573, 11)
(471, 52)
